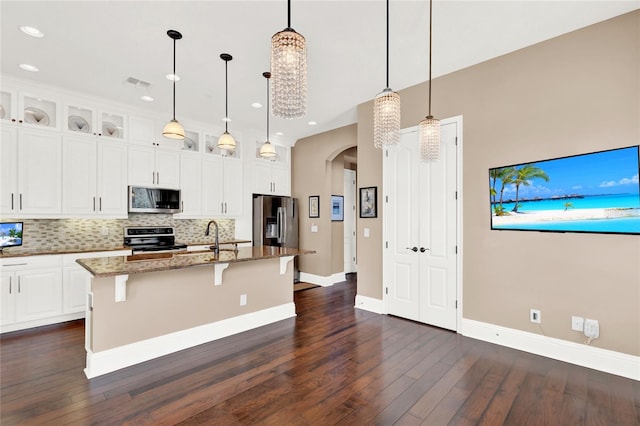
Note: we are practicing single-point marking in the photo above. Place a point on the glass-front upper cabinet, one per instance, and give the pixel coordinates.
(38, 111)
(191, 142)
(81, 119)
(211, 145)
(8, 106)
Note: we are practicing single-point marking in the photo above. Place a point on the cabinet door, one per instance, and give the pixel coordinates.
(76, 283)
(39, 294)
(7, 298)
(232, 187)
(39, 172)
(212, 175)
(9, 170)
(262, 183)
(191, 184)
(141, 165)
(281, 179)
(112, 178)
(167, 169)
(141, 131)
(79, 175)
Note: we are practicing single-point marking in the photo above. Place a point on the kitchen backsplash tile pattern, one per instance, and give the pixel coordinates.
(94, 234)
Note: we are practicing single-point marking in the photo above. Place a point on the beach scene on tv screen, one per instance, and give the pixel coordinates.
(595, 192)
(10, 234)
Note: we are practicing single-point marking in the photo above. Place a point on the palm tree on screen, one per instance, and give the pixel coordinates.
(523, 177)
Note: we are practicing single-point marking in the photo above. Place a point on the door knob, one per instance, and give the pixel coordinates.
(422, 249)
(413, 249)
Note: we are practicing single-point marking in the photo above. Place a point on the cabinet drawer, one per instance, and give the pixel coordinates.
(18, 263)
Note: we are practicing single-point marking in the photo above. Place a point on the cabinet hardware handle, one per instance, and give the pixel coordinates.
(153, 177)
(10, 282)
(20, 201)
(422, 249)
(100, 203)
(221, 207)
(158, 180)
(12, 201)
(413, 249)
(18, 283)
(94, 204)
(225, 207)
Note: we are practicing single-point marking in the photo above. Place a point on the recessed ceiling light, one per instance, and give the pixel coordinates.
(147, 98)
(28, 67)
(226, 119)
(32, 31)
(279, 133)
(256, 105)
(173, 77)
(312, 123)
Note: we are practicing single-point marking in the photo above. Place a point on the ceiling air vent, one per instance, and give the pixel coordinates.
(132, 81)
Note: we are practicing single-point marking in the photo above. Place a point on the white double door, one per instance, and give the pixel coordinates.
(421, 217)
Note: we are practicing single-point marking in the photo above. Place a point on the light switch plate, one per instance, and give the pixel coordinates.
(314, 228)
(366, 232)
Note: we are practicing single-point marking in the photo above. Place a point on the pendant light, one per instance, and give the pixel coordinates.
(173, 129)
(289, 71)
(430, 127)
(267, 150)
(226, 141)
(386, 110)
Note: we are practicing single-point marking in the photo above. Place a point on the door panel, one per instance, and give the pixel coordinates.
(421, 212)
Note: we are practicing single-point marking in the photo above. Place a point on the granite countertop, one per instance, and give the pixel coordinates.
(43, 252)
(140, 263)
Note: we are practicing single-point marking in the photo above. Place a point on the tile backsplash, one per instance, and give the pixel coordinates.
(88, 234)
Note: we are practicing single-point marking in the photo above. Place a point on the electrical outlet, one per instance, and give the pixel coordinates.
(243, 299)
(534, 316)
(104, 231)
(577, 323)
(591, 328)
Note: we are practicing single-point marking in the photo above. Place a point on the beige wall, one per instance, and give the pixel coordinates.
(312, 174)
(159, 303)
(573, 94)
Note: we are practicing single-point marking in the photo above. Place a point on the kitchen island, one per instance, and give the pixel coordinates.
(142, 307)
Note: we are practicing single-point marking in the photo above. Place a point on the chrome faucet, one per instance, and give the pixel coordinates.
(216, 246)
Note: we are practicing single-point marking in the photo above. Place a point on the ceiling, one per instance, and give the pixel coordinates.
(92, 47)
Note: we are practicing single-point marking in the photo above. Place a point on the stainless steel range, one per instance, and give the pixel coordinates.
(156, 239)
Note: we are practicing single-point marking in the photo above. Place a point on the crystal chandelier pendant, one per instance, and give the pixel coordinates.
(429, 138)
(386, 118)
(289, 74)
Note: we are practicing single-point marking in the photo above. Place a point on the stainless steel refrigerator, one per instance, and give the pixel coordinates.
(275, 221)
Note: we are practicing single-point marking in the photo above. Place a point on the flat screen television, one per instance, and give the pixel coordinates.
(10, 234)
(598, 192)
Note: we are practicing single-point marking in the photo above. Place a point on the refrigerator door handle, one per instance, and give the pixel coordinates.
(280, 225)
(284, 226)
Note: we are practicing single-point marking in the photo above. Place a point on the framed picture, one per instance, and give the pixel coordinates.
(314, 206)
(369, 202)
(337, 208)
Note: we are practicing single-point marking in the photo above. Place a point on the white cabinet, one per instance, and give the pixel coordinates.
(153, 159)
(31, 290)
(221, 186)
(81, 118)
(76, 281)
(191, 184)
(154, 166)
(271, 176)
(31, 172)
(94, 177)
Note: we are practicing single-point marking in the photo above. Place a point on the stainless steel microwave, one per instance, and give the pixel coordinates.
(144, 199)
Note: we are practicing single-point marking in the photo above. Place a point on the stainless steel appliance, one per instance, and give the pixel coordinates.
(144, 199)
(156, 239)
(275, 221)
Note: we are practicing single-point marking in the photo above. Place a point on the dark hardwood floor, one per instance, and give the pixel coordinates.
(333, 364)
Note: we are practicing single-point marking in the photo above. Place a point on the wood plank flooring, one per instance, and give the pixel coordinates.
(331, 365)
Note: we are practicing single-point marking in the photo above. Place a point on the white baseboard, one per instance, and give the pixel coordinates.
(38, 323)
(104, 362)
(618, 363)
(323, 281)
(369, 304)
